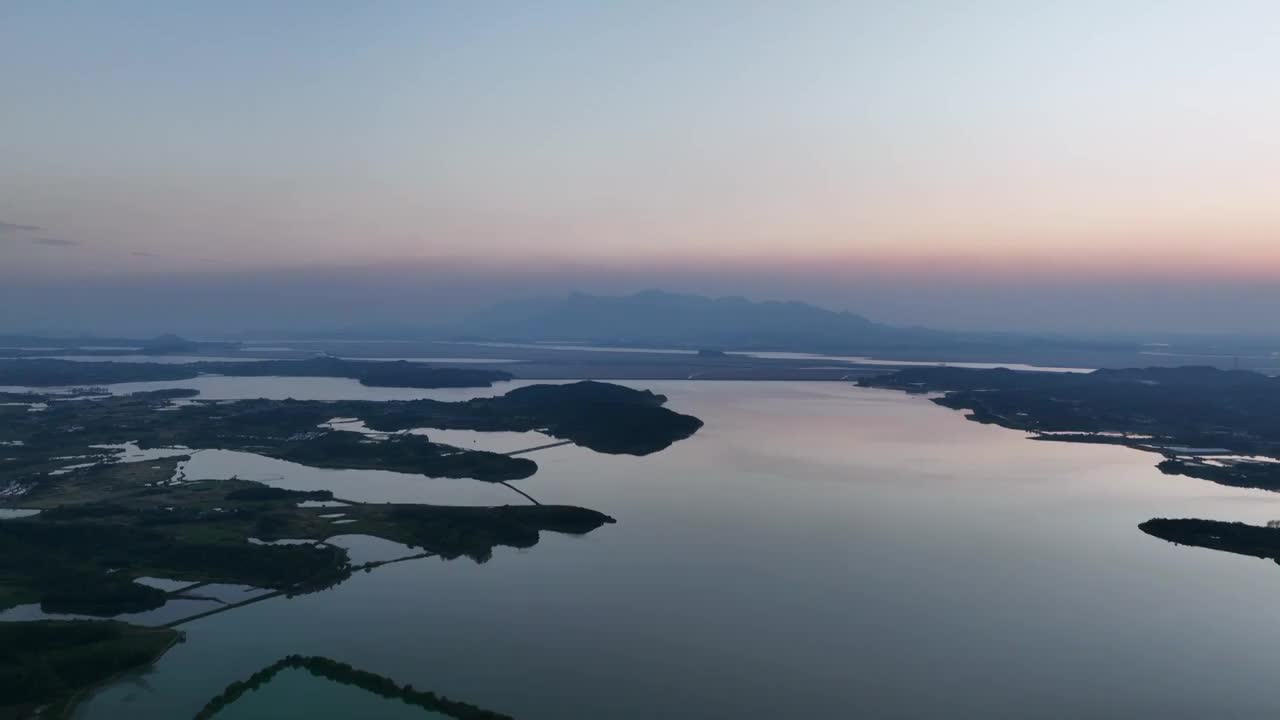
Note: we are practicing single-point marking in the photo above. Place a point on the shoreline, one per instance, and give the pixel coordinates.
(73, 703)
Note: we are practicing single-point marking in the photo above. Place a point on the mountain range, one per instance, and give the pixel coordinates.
(656, 318)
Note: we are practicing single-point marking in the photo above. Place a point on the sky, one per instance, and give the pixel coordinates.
(998, 164)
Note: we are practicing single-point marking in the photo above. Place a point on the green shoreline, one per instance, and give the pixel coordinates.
(1186, 414)
(82, 695)
(105, 524)
(48, 667)
(347, 675)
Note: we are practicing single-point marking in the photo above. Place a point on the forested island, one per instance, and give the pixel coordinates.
(116, 523)
(1188, 414)
(1232, 537)
(603, 417)
(103, 524)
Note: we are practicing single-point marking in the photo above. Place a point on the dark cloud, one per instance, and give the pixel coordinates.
(8, 227)
(55, 242)
(139, 253)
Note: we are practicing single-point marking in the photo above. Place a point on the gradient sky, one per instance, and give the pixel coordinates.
(801, 147)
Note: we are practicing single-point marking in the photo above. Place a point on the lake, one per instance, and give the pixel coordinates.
(816, 550)
(853, 360)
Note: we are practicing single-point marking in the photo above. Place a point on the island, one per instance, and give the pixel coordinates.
(85, 525)
(600, 416)
(1218, 425)
(98, 532)
(1232, 537)
(103, 523)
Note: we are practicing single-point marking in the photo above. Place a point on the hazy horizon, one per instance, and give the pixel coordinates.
(1090, 168)
(417, 297)
(697, 359)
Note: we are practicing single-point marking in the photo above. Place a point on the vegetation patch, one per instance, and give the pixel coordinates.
(82, 557)
(1179, 412)
(46, 664)
(1232, 537)
(346, 674)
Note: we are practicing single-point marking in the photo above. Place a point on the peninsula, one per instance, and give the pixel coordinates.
(1217, 425)
(1232, 537)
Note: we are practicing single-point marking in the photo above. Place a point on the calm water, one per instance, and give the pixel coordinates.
(185, 359)
(772, 355)
(219, 387)
(817, 550)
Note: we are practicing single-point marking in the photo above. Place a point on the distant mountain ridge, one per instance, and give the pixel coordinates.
(654, 317)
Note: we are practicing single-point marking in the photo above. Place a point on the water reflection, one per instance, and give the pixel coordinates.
(816, 550)
(378, 486)
(319, 687)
